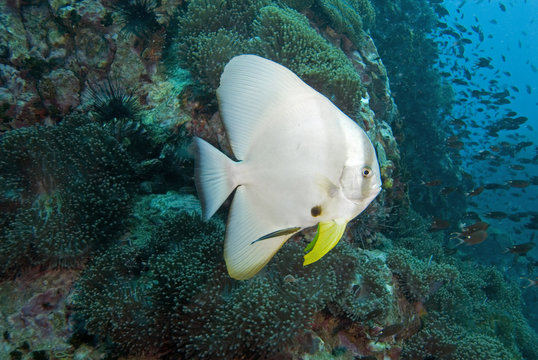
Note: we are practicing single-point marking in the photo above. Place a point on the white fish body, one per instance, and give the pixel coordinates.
(301, 162)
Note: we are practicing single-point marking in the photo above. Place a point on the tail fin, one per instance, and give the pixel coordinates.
(212, 176)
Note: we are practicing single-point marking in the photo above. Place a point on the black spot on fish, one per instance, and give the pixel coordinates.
(316, 211)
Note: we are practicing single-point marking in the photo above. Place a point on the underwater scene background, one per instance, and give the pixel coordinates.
(103, 251)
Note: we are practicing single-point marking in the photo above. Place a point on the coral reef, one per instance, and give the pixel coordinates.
(418, 279)
(202, 26)
(65, 191)
(270, 31)
(444, 338)
(208, 53)
(465, 309)
(44, 72)
(122, 184)
(145, 282)
(356, 83)
(485, 303)
(372, 295)
(174, 287)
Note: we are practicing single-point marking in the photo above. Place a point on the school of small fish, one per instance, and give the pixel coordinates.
(484, 130)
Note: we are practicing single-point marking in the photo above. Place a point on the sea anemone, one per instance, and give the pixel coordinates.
(175, 287)
(65, 191)
(138, 17)
(142, 285)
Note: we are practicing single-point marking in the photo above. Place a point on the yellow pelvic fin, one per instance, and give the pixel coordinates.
(328, 235)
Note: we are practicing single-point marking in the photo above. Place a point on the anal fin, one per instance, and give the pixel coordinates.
(249, 220)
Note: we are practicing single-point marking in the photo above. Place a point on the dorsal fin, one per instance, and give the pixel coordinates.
(251, 89)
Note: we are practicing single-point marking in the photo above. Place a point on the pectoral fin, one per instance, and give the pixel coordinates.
(327, 186)
(328, 235)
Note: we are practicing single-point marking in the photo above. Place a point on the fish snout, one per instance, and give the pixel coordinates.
(375, 187)
(374, 191)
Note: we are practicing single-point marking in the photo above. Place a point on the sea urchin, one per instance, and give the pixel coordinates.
(112, 103)
(138, 17)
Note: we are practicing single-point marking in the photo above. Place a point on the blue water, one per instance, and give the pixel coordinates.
(511, 41)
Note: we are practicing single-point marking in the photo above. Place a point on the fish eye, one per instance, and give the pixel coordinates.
(366, 172)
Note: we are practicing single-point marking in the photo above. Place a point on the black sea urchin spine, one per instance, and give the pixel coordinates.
(112, 103)
(138, 17)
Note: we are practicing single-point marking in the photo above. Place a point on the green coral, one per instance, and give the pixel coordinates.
(208, 53)
(475, 311)
(419, 279)
(370, 296)
(64, 191)
(349, 16)
(211, 32)
(184, 297)
(286, 37)
(442, 337)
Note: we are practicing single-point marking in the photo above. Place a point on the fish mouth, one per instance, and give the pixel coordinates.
(373, 191)
(376, 189)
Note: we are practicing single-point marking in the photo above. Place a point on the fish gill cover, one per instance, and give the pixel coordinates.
(103, 250)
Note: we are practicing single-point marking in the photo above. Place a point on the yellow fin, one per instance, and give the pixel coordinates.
(328, 235)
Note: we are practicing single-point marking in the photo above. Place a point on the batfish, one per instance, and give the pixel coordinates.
(300, 162)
